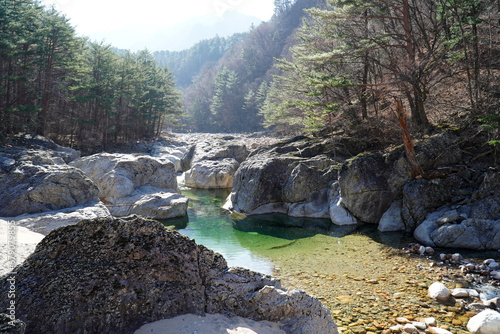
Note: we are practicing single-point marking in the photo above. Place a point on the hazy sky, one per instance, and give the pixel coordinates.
(95, 17)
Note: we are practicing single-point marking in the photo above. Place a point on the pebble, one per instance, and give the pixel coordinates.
(409, 328)
(437, 330)
(460, 293)
(439, 292)
(430, 321)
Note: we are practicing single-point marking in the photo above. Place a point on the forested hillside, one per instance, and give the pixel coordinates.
(186, 64)
(343, 64)
(80, 93)
(228, 96)
(438, 58)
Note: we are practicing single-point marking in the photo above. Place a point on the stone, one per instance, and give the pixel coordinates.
(439, 292)
(135, 184)
(47, 221)
(410, 328)
(437, 330)
(113, 275)
(460, 293)
(268, 182)
(338, 213)
(212, 174)
(25, 243)
(430, 321)
(33, 188)
(419, 325)
(495, 275)
(391, 220)
(364, 188)
(486, 322)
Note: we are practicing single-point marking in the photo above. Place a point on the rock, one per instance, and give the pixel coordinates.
(364, 188)
(421, 197)
(338, 213)
(419, 325)
(15, 253)
(410, 328)
(47, 221)
(437, 330)
(486, 322)
(430, 321)
(493, 303)
(439, 292)
(212, 174)
(164, 152)
(480, 234)
(135, 184)
(33, 188)
(9, 326)
(113, 275)
(391, 220)
(495, 275)
(460, 293)
(35, 143)
(268, 182)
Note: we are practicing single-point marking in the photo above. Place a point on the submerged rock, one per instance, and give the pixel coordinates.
(135, 184)
(113, 275)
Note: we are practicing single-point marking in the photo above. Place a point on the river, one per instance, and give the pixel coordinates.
(363, 276)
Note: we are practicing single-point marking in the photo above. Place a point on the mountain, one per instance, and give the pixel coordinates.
(180, 36)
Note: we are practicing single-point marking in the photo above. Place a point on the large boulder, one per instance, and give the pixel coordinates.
(285, 184)
(364, 187)
(472, 224)
(486, 322)
(135, 184)
(211, 164)
(34, 187)
(113, 275)
(212, 174)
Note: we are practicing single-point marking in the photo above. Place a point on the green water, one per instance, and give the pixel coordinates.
(258, 242)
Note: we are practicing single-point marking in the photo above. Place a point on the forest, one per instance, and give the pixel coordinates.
(57, 84)
(316, 65)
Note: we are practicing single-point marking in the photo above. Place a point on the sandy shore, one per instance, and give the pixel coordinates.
(209, 324)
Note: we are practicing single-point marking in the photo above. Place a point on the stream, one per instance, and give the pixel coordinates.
(363, 276)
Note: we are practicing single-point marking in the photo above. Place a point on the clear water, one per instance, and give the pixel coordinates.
(257, 242)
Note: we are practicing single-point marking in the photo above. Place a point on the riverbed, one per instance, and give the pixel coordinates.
(364, 277)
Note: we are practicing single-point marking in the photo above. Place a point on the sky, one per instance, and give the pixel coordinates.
(97, 18)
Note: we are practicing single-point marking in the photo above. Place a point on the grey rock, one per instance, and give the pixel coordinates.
(135, 183)
(113, 275)
(391, 220)
(364, 188)
(486, 322)
(212, 174)
(421, 197)
(35, 188)
(338, 213)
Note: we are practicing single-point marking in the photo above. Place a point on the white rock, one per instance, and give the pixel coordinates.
(460, 293)
(391, 220)
(437, 330)
(47, 221)
(456, 257)
(24, 240)
(439, 292)
(396, 328)
(430, 321)
(338, 213)
(486, 322)
(495, 274)
(429, 250)
(410, 328)
(419, 325)
(212, 174)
